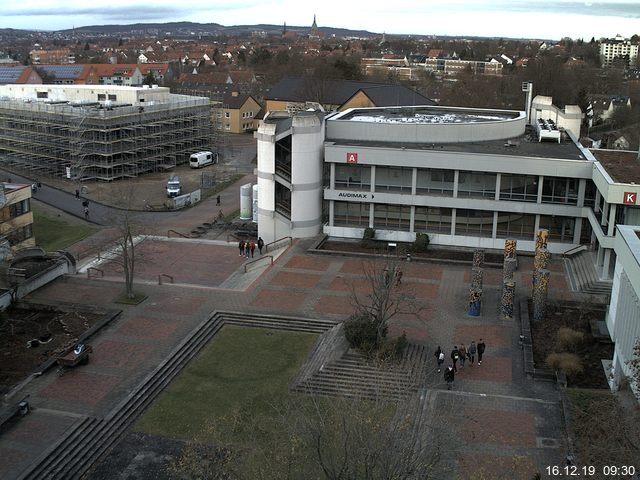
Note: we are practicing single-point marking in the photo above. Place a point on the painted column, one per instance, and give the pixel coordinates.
(475, 297)
(508, 294)
(477, 275)
(540, 292)
(478, 258)
(541, 238)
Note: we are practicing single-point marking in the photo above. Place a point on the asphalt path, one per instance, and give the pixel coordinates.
(99, 214)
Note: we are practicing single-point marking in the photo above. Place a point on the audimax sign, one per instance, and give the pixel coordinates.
(358, 195)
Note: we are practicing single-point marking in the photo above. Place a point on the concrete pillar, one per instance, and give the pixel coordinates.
(536, 226)
(577, 230)
(606, 262)
(582, 188)
(456, 178)
(494, 228)
(540, 185)
(612, 219)
(412, 218)
(498, 177)
(372, 189)
(414, 181)
(332, 176)
(371, 212)
(331, 212)
(453, 221)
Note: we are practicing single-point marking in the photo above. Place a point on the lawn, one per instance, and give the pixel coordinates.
(244, 373)
(52, 233)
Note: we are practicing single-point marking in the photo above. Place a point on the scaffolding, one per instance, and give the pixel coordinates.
(94, 142)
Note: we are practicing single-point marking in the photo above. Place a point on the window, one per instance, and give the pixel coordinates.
(394, 179)
(113, 98)
(476, 184)
(43, 94)
(19, 235)
(392, 217)
(357, 177)
(351, 214)
(476, 223)
(521, 188)
(560, 228)
(435, 181)
(516, 225)
(227, 127)
(15, 210)
(560, 190)
(227, 115)
(433, 220)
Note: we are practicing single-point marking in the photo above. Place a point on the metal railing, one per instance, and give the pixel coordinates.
(94, 269)
(266, 247)
(164, 275)
(573, 250)
(177, 233)
(257, 260)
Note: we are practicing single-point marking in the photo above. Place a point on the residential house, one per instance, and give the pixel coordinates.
(292, 94)
(58, 56)
(19, 74)
(239, 112)
(601, 107)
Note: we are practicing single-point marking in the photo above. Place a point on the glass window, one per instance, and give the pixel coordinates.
(560, 228)
(394, 179)
(429, 219)
(560, 190)
(392, 217)
(590, 194)
(521, 188)
(351, 214)
(434, 181)
(476, 184)
(476, 223)
(352, 177)
(516, 225)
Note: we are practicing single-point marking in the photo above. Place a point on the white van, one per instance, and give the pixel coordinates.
(173, 186)
(202, 159)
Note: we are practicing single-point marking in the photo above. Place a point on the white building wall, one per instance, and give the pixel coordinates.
(266, 182)
(307, 152)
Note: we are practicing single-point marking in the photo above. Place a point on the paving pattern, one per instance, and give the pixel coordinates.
(506, 423)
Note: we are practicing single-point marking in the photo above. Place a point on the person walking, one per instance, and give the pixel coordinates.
(247, 249)
(77, 194)
(252, 246)
(260, 244)
(455, 356)
(398, 277)
(449, 376)
(241, 247)
(218, 200)
(471, 352)
(463, 355)
(439, 354)
(86, 213)
(481, 349)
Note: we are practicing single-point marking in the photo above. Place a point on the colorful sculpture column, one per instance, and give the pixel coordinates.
(540, 291)
(508, 283)
(475, 292)
(508, 295)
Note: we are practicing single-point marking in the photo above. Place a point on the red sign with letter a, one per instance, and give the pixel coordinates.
(630, 198)
(352, 158)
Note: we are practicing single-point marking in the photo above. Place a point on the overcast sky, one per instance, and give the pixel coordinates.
(551, 19)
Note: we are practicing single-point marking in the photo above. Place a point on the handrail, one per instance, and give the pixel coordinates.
(96, 269)
(266, 247)
(164, 275)
(177, 233)
(574, 250)
(257, 260)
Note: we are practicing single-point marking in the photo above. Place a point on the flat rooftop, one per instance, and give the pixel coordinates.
(621, 165)
(426, 115)
(523, 146)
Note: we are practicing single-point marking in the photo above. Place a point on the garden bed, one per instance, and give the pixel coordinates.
(31, 336)
(433, 253)
(591, 351)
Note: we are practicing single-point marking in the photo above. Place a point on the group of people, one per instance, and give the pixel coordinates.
(247, 247)
(397, 276)
(461, 355)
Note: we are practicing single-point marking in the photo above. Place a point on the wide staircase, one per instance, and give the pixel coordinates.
(91, 437)
(582, 274)
(353, 375)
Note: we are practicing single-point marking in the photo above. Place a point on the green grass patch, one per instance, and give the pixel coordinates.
(53, 233)
(243, 371)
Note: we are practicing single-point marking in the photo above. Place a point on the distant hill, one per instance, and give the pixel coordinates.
(188, 28)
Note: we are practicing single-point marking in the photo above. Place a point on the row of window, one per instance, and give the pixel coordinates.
(15, 210)
(522, 188)
(19, 235)
(475, 223)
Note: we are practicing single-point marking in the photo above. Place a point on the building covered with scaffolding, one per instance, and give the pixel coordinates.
(100, 132)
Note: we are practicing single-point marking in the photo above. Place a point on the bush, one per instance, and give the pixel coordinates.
(393, 350)
(569, 363)
(361, 333)
(421, 243)
(569, 340)
(368, 238)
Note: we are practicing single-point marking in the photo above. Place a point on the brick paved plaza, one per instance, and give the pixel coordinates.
(505, 422)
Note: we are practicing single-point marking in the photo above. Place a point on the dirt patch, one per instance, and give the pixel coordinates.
(29, 337)
(591, 351)
(404, 248)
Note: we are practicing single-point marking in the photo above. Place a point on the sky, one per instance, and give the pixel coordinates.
(545, 19)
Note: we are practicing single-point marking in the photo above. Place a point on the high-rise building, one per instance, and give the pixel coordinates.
(618, 47)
